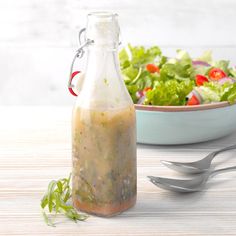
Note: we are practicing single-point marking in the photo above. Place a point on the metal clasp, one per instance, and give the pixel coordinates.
(79, 54)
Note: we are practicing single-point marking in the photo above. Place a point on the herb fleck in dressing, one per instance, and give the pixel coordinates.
(104, 160)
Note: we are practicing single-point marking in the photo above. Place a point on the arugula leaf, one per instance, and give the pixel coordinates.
(56, 201)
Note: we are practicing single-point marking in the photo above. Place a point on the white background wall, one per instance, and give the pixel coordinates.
(38, 38)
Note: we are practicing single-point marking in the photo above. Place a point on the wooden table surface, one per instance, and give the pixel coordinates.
(35, 148)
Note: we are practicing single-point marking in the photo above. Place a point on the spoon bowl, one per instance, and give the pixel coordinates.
(179, 185)
(189, 185)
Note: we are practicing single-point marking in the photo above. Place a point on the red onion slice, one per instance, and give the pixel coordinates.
(141, 100)
(226, 79)
(200, 63)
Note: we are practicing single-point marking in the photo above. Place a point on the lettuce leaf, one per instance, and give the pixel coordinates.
(176, 78)
(138, 56)
(169, 93)
(232, 72)
(179, 68)
(230, 95)
(223, 65)
(206, 57)
(215, 92)
(208, 95)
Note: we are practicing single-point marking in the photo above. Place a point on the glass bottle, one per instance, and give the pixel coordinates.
(103, 127)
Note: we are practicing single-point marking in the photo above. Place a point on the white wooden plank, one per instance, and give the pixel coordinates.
(29, 159)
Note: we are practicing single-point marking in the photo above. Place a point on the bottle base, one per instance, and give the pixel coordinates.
(107, 210)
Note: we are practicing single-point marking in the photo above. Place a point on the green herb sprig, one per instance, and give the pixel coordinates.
(56, 200)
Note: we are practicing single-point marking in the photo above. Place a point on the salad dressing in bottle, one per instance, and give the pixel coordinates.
(103, 127)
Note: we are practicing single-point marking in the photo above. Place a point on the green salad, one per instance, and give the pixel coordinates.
(154, 79)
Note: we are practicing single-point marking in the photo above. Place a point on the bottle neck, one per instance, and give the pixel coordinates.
(107, 48)
(103, 84)
(103, 62)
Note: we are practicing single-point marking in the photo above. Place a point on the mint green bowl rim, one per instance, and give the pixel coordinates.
(201, 107)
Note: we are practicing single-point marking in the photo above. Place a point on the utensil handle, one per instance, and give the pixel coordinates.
(211, 156)
(226, 149)
(219, 171)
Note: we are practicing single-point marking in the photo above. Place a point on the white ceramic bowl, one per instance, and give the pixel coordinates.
(168, 125)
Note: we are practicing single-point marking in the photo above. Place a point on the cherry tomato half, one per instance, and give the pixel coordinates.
(216, 74)
(201, 79)
(193, 101)
(152, 68)
(147, 89)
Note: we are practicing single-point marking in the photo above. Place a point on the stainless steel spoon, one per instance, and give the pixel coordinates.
(197, 166)
(190, 185)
